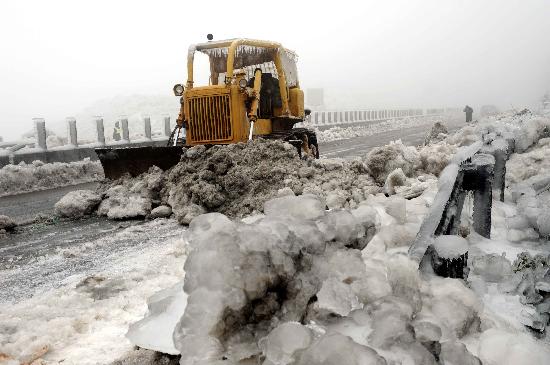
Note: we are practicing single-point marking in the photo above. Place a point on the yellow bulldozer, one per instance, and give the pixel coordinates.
(253, 92)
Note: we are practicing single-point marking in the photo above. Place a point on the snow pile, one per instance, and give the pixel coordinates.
(381, 161)
(24, 177)
(338, 133)
(236, 180)
(132, 198)
(435, 157)
(525, 127)
(438, 132)
(522, 166)
(528, 180)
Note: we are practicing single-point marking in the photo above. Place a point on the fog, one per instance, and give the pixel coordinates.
(58, 57)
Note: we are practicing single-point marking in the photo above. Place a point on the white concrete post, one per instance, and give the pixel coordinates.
(147, 127)
(40, 133)
(125, 131)
(100, 131)
(71, 132)
(167, 129)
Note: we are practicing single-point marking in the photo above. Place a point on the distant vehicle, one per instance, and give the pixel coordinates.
(488, 110)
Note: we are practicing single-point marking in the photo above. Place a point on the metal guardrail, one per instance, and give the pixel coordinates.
(479, 168)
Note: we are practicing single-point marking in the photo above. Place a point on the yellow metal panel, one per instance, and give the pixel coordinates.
(238, 115)
(262, 126)
(296, 102)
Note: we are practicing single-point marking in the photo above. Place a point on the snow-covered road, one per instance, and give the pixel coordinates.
(89, 280)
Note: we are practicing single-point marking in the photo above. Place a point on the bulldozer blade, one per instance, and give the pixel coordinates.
(136, 160)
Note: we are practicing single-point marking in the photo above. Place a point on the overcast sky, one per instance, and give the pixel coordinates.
(58, 57)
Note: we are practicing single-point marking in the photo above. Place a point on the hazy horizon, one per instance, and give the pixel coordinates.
(60, 57)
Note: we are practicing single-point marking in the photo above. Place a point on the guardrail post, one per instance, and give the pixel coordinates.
(100, 131)
(125, 131)
(147, 127)
(478, 176)
(40, 132)
(71, 131)
(167, 129)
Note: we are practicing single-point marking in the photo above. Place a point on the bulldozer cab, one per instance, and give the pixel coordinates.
(221, 112)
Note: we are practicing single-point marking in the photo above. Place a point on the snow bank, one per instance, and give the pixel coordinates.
(24, 177)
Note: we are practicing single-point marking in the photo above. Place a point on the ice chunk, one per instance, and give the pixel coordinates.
(396, 206)
(154, 332)
(404, 279)
(426, 331)
(336, 199)
(455, 353)
(450, 247)
(281, 345)
(336, 349)
(337, 297)
(302, 207)
(511, 348)
(341, 226)
(390, 327)
(493, 268)
(77, 204)
(162, 211)
(395, 178)
(456, 307)
(122, 204)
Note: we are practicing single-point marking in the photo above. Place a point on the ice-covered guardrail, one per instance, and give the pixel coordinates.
(350, 117)
(480, 168)
(38, 149)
